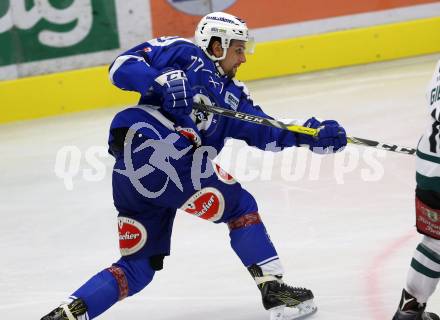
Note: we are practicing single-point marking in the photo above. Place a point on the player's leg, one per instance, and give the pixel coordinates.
(422, 280)
(424, 273)
(144, 227)
(144, 240)
(222, 199)
(251, 242)
(124, 278)
(173, 179)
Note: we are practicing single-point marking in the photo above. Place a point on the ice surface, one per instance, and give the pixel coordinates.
(348, 239)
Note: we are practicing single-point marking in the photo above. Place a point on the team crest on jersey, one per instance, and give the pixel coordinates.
(207, 204)
(200, 116)
(223, 175)
(202, 119)
(232, 100)
(132, 236)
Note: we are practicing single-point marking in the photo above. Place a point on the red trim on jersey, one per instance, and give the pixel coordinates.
(244, 221)
(119, 275)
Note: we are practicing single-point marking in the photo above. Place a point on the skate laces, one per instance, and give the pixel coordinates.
(297, 291)
(77, 307)
(288, 295)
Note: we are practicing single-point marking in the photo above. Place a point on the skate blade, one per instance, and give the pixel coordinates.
(301, 311)
(305, 309)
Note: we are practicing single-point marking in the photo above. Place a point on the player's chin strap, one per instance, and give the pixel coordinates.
(216, 60)
(219, 68)
(297, 129)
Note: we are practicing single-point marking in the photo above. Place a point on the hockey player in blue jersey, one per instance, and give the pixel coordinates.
(163, 150)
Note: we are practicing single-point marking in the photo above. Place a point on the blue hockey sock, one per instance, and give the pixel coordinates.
(122, 279)
(250, 240)
(99, 293)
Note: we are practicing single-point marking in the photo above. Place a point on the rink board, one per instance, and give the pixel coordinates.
(85, 89)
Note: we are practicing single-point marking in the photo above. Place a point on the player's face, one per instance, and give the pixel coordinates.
(235, 56)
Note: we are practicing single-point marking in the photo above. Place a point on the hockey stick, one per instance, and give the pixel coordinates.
(295, 128)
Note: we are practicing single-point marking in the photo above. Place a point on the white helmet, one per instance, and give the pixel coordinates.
(224, 26)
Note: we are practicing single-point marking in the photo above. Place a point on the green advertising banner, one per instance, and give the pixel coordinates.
(34, 30)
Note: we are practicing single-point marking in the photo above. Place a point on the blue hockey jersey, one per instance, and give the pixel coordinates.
(136, 69)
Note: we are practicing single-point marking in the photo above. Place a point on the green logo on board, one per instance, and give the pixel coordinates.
(33, 30)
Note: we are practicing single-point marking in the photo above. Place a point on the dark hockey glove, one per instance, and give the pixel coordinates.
(331, 136)
(176, 92)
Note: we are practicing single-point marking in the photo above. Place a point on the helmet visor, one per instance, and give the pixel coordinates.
(250, 46)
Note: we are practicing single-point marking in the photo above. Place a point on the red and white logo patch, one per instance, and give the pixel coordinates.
(132, 235)
(207, 204)
(223, 175)
(427, 220)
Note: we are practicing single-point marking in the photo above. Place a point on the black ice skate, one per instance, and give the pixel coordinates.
(72, 311)
(410, 309)
(283, 301)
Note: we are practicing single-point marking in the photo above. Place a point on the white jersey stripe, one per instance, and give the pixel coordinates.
(120, 61)
(157, 115)
(424, 260)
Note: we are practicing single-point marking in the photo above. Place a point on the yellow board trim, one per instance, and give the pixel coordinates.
(60, 93)
(343, 48)
(85, 89)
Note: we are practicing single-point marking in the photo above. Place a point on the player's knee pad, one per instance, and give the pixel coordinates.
(132, 275)
(245, 210)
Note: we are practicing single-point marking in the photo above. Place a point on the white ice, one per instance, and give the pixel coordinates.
(337, 232)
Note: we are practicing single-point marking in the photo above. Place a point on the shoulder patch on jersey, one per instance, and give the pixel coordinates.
(232, 100)
(132, 236)
(208, 204)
